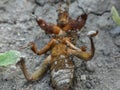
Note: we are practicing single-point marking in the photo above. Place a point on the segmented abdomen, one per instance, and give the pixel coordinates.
(62, 71)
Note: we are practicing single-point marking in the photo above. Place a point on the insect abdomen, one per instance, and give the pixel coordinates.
(62, 74)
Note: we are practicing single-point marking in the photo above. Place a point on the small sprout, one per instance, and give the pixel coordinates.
(115, 15)
(9, 57)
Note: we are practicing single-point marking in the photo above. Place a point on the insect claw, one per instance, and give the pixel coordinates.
(30, 44)
(92, 33)
(27, 46)
(38, 18)
(22, 60)
(23, 47)
(83, 48)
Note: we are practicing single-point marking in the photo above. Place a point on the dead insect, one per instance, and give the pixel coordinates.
(64, 23)
(61, 47)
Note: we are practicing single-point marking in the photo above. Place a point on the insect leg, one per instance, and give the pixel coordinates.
(48, 27)
(83, 54)
(76, 24)
(72, 46)
(44, 49)
(38, 73)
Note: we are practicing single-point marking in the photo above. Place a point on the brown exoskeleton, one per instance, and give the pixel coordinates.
(61, 48)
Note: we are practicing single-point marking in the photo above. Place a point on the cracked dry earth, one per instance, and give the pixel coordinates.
(18, 27)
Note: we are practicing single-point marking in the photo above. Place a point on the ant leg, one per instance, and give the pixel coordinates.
(38, 73)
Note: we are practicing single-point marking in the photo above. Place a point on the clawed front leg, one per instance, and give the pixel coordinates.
(44, 49)
(49, 28)
(76, 24)
(81, 53)
(38, 73)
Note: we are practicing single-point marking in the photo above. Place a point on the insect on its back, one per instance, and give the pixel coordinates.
(61, 47)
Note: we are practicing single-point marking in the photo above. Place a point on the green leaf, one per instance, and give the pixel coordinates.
(115, 15)
(9, 57)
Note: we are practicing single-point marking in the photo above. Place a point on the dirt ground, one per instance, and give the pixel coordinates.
(18, 27)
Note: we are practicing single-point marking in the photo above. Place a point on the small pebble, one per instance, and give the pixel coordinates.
(13, 68)
(117, 41)
(90, 66)
(40, 2)
(116, 31)
(83, 77)
(88, 85)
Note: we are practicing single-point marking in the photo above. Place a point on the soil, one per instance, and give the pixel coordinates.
(18, 27)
